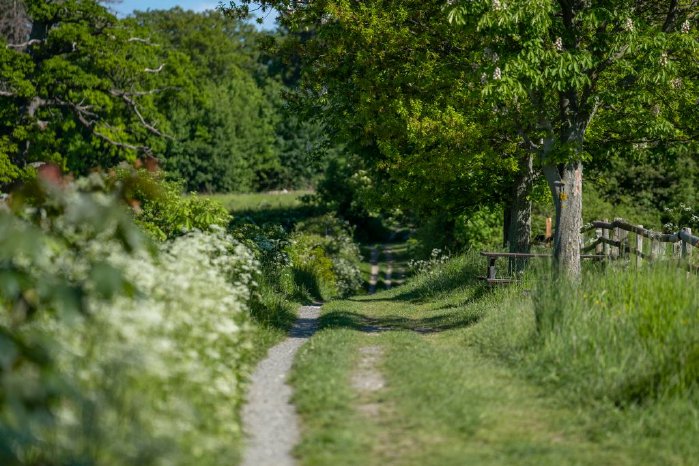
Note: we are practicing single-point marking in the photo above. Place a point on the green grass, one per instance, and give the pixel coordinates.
(273, 208)
(510, 376)
(260, 201)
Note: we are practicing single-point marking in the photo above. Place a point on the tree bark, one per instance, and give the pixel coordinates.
(506, 221)
(520, 223)
(565, 182)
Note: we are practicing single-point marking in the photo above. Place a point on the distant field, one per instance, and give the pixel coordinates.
(260, 201)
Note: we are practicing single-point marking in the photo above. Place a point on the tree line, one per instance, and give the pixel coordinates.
(81, 89)
(479, 102)
(448, 115)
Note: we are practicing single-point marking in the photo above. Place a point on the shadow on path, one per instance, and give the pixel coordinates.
(366, 324)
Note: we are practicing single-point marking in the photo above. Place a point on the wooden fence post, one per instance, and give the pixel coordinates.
(600, 247)
(549, 232)
(677, 249)
(655, 250)
(639, 247)
(605, 234)
(686, 247)
(616, 250)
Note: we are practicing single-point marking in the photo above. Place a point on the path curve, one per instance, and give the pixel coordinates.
(270, 421)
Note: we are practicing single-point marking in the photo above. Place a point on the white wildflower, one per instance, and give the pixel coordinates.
(663, 59)
(685, 27)
(484, 78)
(628, 25)
(497, 5)
(497, 74)
(558, 44)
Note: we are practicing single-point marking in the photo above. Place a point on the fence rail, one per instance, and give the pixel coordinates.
(612, 240)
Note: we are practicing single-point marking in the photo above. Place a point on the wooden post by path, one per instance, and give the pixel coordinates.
(605, 235)
(677, 250)
(549, 231)
(639, 247)
(686, 250)
(655, 249)
(616, 250)
(600, 246)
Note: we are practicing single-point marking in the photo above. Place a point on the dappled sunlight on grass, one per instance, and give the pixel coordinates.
(519, 375)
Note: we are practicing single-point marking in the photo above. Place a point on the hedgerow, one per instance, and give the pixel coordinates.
(116, 350)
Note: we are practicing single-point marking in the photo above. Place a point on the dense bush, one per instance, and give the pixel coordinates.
(160, 207)
(325, 258)
(481, 229)
(113, 351)
(682, 216)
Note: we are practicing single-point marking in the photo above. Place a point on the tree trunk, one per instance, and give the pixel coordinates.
(565, 182)
(506, 219)
(520, 223)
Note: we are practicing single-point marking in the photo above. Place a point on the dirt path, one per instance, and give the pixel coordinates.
(374, 261)
(269, 419)
(388, 254)
(366, 380)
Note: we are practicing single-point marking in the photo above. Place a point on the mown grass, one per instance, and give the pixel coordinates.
(260, 201)
(540, 373)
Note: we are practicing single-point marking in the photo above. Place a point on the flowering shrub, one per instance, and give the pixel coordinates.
(113, 351)
(682, 216)
(428, 266)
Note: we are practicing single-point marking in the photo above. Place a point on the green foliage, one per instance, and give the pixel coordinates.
(325, 258)
(224, 119)
(679, 217)
(387, 77)
(598, 206)
(83, 89)
(101, 362)
(161, 209)
(480, 230)
(78, 91)
(644, 182)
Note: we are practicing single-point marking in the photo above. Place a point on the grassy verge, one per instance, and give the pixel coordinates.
(260, 201)
(599, 375)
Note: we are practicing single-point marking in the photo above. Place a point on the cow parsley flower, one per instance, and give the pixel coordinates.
(685, 27)
(628, 25)
(497, 74)
(558, 44)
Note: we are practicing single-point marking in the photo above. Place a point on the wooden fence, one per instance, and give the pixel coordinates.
(612, 239)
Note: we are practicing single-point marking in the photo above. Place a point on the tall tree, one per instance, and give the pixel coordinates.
(225, 121)
(77, 88)
(388, 76)
(551, 65)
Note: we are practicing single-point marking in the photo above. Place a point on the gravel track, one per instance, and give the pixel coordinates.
(270, 421)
